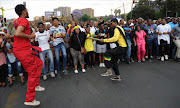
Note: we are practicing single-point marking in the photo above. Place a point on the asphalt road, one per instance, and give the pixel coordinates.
(144, 85)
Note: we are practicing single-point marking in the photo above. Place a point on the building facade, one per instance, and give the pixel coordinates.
(65, 11)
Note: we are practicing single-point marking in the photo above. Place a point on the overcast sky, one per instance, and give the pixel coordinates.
(38, 7)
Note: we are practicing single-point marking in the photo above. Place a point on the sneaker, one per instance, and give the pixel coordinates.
(58, 76)
(83, 70)
(143, 60)
(76, 71)
(151, 57)
(52, 74)
(139, 61)
(146, 57)
(118, 61)
(132, 60)
(116, 78)
(103, 65)
(106, 74)
(39, 88)
(166, 57)
(65, 72)
(100, 65)
(44, 77)
(33, 103)
(55, 72)
(162, 58)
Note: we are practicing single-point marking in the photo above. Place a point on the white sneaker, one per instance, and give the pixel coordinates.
(33, 103)
(106, 74)
(139, 61)
(83, 70)
(44, 77)
(118, 61)
(162, 58)
(55, 72)
(166, 57)
(103, 65)
(146, 57)
(151, 56)
(39, 88)
(100, 65)
(52, 74)
(143, 60)
(76, 71)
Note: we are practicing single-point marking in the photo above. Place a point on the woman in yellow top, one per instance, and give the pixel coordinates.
(90, 49)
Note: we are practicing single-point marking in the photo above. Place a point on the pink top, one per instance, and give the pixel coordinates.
(140, 36)
(2, 58)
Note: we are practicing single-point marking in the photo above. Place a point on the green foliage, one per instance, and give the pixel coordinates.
(117, 12)
(142, 11)
(105, 18)
(155, 9)
(94, 19)
(85, 18)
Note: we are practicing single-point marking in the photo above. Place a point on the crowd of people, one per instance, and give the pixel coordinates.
(145, 39)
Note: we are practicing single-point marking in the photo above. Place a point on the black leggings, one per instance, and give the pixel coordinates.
(3, 73)
(111, 58)
(164, 48)
(89, 58)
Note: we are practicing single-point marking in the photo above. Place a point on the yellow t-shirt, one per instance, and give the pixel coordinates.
(89, 43)
(117, 37)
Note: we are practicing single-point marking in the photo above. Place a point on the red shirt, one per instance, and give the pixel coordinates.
(22, 43)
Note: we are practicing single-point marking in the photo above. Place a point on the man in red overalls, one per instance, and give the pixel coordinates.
(22, 50)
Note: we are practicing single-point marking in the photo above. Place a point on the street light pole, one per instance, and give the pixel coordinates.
(131, 11)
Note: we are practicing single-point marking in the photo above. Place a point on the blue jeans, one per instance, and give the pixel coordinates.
(11, 68)
(128, 53)
(49, 54)
(63, 51)
(155, 43)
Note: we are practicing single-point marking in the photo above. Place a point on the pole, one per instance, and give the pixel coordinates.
(124, 12)
(3, 16)
(24, 3)
(131, 11)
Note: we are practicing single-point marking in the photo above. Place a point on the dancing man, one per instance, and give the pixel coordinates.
(22, 50)
(112, 55)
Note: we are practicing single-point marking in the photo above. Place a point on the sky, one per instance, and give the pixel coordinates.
(38, 7)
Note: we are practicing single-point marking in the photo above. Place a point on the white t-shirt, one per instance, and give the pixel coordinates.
(56, 32)
(93, 29)
(43, 39)
(164, 28)
(82, 29)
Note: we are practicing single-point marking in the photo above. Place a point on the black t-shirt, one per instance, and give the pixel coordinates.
(111, 32)
(103, 33)
(75, 42)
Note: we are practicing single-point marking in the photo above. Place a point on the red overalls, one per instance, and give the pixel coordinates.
(22, 50)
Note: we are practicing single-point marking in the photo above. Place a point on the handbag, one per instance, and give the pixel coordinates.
(83, 50)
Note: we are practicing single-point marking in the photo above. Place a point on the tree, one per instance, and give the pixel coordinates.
(94, 19)
(160, 9)
(142, 11)
(119, 12)
(116, 12)
(85, 18)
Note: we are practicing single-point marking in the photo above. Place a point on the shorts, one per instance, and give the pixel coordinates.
(101, 48)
